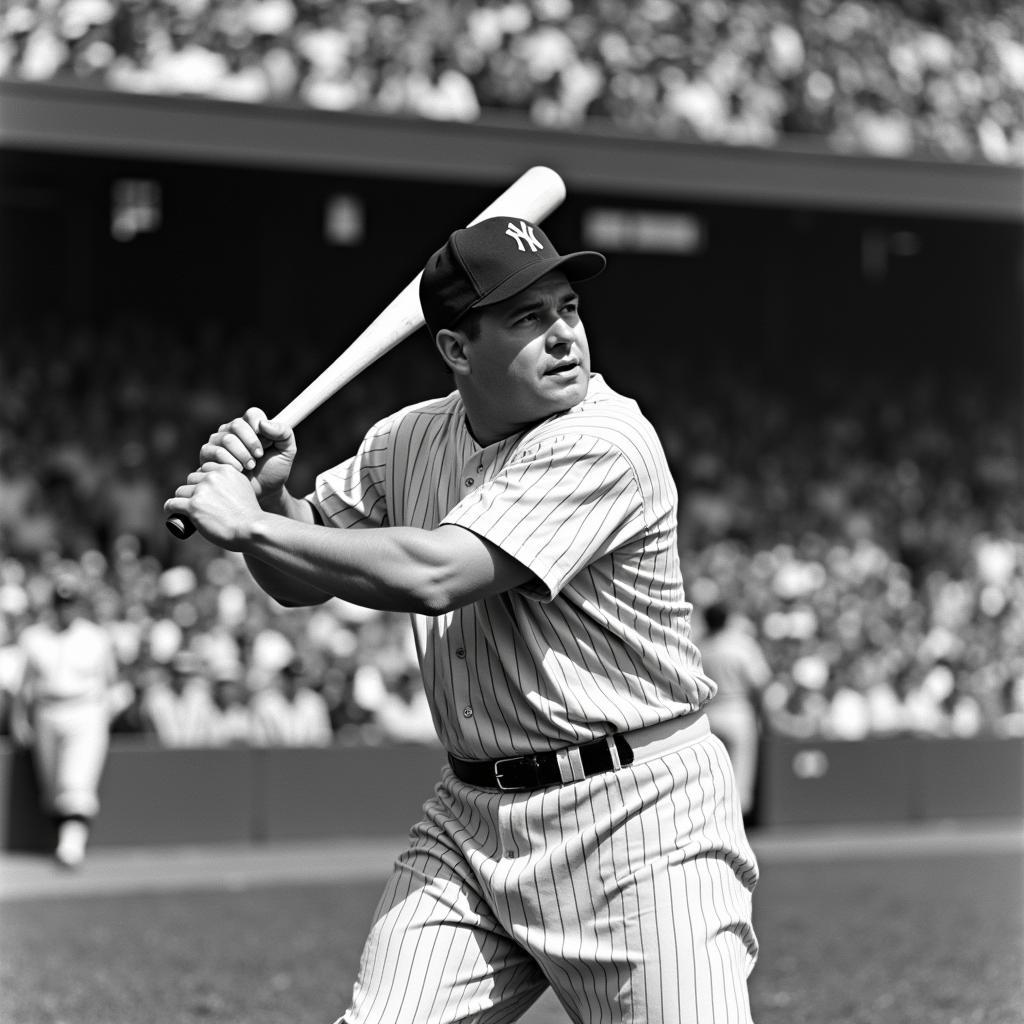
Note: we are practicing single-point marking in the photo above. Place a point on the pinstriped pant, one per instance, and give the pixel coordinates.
(629, 893)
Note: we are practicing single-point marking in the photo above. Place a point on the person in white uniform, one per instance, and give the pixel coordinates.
(734, 659)
(63, 713)
(585, 833)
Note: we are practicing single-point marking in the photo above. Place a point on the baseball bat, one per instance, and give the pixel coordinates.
(532, 196)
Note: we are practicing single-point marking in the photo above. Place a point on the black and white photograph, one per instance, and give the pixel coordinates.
(512, 510)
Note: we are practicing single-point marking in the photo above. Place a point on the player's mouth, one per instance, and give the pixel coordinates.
(564, 369)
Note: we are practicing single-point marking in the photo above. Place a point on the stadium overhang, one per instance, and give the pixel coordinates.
(46, 117)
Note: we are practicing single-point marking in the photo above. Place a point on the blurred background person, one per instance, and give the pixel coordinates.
(231, 721)
(62, 711)
(404, 713)
(177, 706)
(289, 712)
(734, 660)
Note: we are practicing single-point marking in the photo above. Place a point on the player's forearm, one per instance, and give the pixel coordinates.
(393, 569)
(283, 586)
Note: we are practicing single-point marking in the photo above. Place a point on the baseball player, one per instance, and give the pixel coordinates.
(734, 659)
(63, 713)
(585, 832)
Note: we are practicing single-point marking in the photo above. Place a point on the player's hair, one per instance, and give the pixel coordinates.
(470, 322)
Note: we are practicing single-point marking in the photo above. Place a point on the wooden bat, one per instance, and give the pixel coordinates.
(532, 196)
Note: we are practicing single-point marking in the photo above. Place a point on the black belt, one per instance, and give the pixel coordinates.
(551, 768)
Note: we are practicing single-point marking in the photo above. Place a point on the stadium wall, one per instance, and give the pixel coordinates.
(155, 796)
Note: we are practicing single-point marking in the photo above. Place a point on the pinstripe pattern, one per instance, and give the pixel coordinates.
(602, 641)
(629, 893)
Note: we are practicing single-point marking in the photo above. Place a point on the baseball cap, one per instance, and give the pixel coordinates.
(489, 262)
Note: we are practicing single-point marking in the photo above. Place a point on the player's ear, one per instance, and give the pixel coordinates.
(452, 346)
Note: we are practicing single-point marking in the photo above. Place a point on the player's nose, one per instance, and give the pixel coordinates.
(560, 333)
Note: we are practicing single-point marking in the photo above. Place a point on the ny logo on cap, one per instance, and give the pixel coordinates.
(524, 233)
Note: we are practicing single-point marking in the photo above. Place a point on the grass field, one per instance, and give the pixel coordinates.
(850, 933)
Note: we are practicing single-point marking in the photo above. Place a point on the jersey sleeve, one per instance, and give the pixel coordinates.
(556, 508)
(353, 493)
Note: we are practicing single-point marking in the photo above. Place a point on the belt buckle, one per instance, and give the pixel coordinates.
(497, 774)
(527, 761)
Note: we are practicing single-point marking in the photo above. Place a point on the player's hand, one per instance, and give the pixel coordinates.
(261, 448)
(220, 501)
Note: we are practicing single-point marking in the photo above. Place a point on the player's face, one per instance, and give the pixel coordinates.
(528, 360)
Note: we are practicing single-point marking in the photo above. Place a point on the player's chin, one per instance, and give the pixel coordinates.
(566, 389)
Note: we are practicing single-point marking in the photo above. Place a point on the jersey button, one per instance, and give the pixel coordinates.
(470, 481)
(467, 712)
(460, 653)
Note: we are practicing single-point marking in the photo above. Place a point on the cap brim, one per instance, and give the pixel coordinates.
(577, 266)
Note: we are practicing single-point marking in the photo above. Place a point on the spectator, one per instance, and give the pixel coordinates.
(177, 705)
(886, 546)
(130, 496)
(230, 723)
(288, 712)
(404, 714)
(945, 79)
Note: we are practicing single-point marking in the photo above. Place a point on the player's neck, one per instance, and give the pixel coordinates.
(485, 434)
(487, 431)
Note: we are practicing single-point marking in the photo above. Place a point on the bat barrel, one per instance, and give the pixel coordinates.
(533, 195)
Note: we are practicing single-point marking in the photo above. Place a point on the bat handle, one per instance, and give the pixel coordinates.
(180, 526)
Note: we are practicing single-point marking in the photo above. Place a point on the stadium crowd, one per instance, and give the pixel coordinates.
(871, 541)
(941, 78)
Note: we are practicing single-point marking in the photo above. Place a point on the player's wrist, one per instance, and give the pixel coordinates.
(274, 501)
(251, 534)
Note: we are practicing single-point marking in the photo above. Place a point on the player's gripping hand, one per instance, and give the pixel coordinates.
(221, 503)
(261, 448)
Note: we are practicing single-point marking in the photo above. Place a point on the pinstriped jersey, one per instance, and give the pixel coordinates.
(599, 640)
